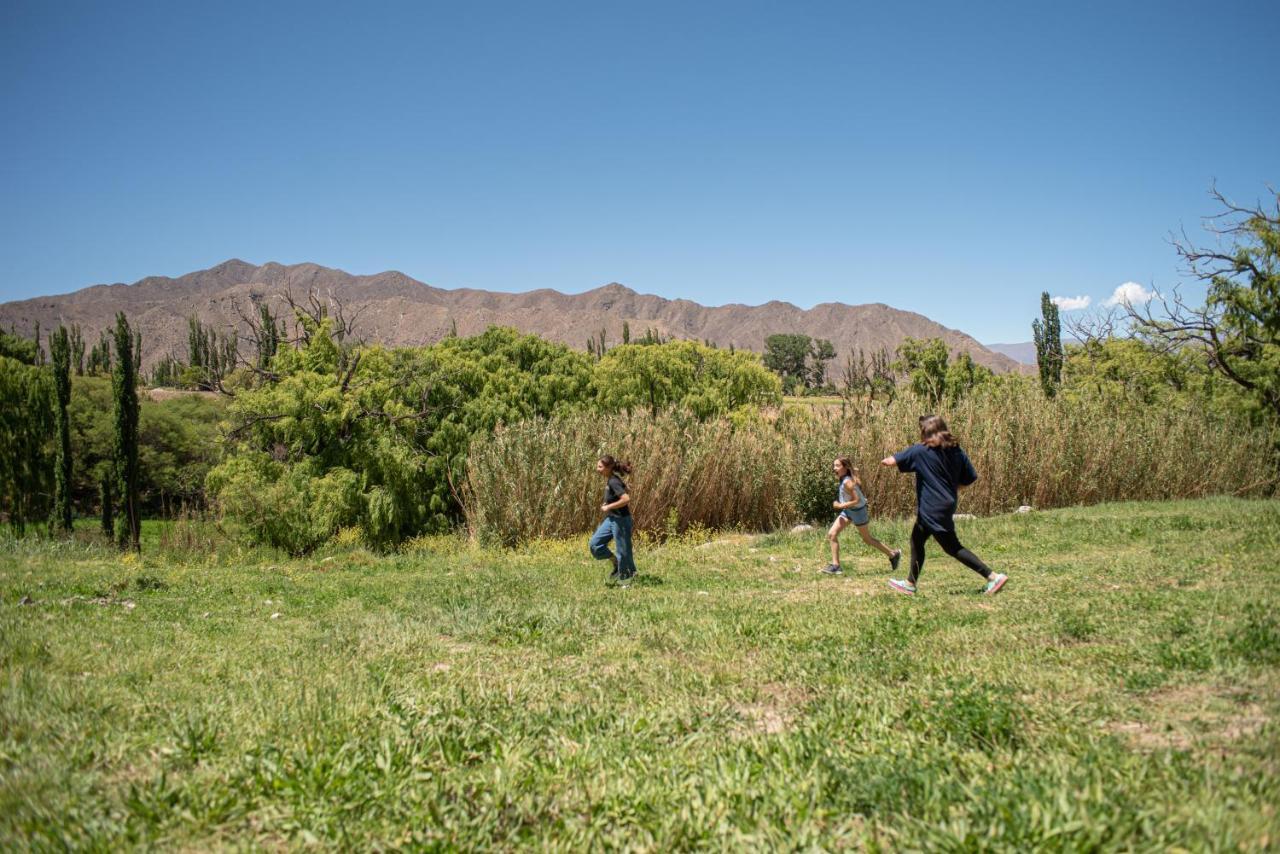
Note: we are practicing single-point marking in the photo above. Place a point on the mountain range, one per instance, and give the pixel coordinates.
(397, 310)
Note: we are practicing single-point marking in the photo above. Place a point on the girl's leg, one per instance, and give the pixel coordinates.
(599, 543)
(833, 537)
(918, 537)
(951, 545)
(622, 543)
(873, 542)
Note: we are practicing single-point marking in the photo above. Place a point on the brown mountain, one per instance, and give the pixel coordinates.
(397, 310)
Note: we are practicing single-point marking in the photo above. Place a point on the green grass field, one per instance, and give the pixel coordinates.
(1120, 694)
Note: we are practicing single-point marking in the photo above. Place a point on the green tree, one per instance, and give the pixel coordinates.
(787, 355)
(178, 442)
(378, 438)
(821, 352)
(925, 365)
(106, 501)
(1238, 326)
(18, 348)
(1131, 371)
(124, 382)
(100, 356)
(267, 335)
(963, 376)
(26, 423)
(1047, 333)
(60, 355)
(702, 380)
(212, 355)
(77, 349)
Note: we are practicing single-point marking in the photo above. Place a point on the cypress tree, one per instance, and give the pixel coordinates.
(60, 353)
(124, 382)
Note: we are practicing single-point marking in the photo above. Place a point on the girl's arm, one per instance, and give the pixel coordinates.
(889, 461)
(623, 501)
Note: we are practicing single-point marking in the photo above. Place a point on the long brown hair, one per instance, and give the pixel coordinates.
(614, 465)
(849, 470)
(933, 425)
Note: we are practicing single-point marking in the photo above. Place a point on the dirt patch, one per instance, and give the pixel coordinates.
(1195, 717)
(773, 712)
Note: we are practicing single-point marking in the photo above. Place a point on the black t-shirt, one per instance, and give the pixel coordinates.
(939, 472)
(614, 490)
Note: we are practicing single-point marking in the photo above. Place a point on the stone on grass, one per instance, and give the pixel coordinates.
(1025, 508)
(800, 529)
(964, 516)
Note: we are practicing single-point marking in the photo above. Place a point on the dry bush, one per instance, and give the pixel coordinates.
(538, 479)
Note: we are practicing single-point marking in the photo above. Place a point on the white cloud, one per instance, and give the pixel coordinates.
(1072, 303)
(1131, 293)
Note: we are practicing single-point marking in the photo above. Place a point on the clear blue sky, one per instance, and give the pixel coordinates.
(949, 158)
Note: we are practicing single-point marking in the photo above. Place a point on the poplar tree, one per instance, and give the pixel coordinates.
(77, 349)
(1047, 334)
(268, 336)
(26, 423)
(106, 498)
(124, 382)
(60, 354)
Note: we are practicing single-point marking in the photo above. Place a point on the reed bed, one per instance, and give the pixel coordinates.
(760, 472)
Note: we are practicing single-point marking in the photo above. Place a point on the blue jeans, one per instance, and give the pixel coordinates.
(618, 529)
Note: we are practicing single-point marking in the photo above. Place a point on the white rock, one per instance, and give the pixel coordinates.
(964, 516)
(276, 615)
(800, 529)
(1025, 508)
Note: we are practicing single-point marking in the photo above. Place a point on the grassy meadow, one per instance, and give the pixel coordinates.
(1121, 693)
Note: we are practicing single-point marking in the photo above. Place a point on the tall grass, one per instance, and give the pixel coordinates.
(537, 479)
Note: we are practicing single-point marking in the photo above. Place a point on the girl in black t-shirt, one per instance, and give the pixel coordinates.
(617, 521)
(942, 469)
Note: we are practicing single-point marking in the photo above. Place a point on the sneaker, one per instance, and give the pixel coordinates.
(995, 584)
(894, 558)
(902, 586)
(832, 569)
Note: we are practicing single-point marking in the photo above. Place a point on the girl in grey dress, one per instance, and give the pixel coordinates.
(852, 505)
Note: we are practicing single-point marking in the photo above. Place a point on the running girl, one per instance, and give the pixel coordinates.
(617, 522)
(942, 468)
(852, 505)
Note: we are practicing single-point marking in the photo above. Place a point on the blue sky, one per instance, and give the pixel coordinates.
(948, 158)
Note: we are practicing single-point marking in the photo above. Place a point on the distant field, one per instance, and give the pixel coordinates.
(1121, 694)
(817, 401)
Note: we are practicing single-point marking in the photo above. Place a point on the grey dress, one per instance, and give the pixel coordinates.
(856, 514)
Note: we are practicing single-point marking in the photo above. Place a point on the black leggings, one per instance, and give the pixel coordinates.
(950, 544)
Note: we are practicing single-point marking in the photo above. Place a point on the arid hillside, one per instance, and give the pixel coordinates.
(396, 310)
